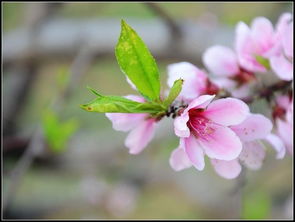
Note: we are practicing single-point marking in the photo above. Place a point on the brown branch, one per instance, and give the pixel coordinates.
(268, 92)
(37, 144)
(174, 28)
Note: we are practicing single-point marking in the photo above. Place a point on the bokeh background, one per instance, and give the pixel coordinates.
(60, 162)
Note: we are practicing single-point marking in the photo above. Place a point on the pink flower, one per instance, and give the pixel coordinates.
(283, 117)
(196, 82)
(141, 127)
(254, 128)
(203, 128)
(263, 40)
(257, 40)
(223, 63)
(246, 128)
(282, 60)
(250, 131)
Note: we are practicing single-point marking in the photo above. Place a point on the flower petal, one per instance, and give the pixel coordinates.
(228, 111)
(263, 34)
(282, 67)
(285, 131)
(201, 102)
(180, 126)
(252, 155)
(220, 142)
(179, 159)
(140, 136)
(246, 49)
(224, 83)
(195, 80)
(125, 121)
(135, 98)
(227, 169)
(277, 144)
(194, 152)
(288, 41)
(221, 61)
(131, 83)
(256, 126)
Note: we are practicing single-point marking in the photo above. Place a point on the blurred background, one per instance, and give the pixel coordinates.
(60, 162)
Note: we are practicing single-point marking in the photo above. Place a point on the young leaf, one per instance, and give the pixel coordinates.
(256, 205)
(263, 61)
(94, 91)
(57, 133)
(117, 104)
(174, 92)
(137, 63)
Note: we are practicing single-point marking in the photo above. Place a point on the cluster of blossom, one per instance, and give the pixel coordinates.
(224, 129)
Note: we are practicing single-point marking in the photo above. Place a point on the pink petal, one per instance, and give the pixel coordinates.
(282, 67)
(180, 123)
(256, 126)
(283, 101)
(277, 144)
(221, 61)
(263, 34)
(252, 155)
(140, 136)
(220, 142)
(131, 83)
(282, 24)
(224, 83)
(135, 98)
(125, 121)
(246, 49)
(242, 91)
(180, 126)
(228, 111)
(285, 131)
(288, 40)
(179, 159)
(201, 102)
(194, 152)
(280, 34)
(227, 169)
(195, 80)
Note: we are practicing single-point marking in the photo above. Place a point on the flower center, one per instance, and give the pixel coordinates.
(198, 124)
(243, 77)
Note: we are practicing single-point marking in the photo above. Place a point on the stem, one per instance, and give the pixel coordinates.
(269, 91)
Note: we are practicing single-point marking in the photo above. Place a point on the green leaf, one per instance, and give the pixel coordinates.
(57, 133)
(94, 91)
(117, 104)
(256, 205)
(137, 63)
(174, 92)
(263, 61)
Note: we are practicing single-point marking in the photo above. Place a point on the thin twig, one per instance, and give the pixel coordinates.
(34, 148)
(78, 68)
(174, 28)
(268, 92)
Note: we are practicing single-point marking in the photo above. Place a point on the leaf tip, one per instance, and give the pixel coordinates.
(123, 23)
(86, 107)
(93, 91)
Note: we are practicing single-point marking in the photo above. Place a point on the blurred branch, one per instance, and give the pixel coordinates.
(268, 92)
(175, 29)
(62, 38)
(238, 191)
(22, 74)
(34, 148)
(21, 78)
